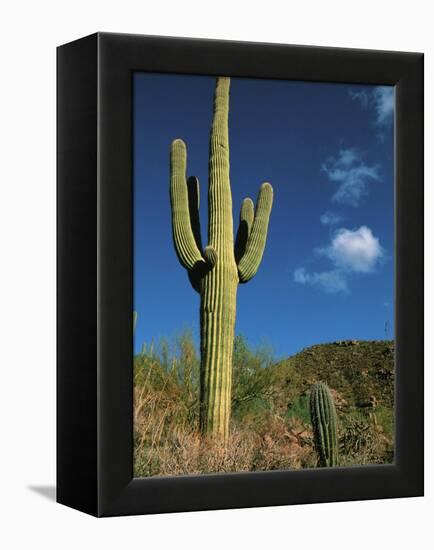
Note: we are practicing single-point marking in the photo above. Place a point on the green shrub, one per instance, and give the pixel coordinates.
(299, 409)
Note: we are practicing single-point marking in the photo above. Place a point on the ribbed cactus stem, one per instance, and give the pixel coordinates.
(249, 263)
(216, 271)
(185, 244)
(324, 424)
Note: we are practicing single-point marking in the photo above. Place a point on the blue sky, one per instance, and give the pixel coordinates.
(327, 149)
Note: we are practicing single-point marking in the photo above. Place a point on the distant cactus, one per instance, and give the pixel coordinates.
(324, 423)
(134, 320)
(216, 270)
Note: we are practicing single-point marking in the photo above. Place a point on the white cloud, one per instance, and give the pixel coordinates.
(381, 100)
(347, 157)
(350, 251)
(362, 96)
(330, 218)
(351, 175)
(331, 282)
(354, 250)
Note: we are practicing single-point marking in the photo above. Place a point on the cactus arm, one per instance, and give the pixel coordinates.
(246, 219)
(197, 274)
(249, 263)
(193, 207)
(210, 255)
(185, 243)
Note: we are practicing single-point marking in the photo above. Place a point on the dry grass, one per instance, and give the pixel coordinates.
(263, 435)
(168, 443)
(166, 446)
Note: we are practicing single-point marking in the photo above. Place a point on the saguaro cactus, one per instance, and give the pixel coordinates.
(324, 423)
(216, 270)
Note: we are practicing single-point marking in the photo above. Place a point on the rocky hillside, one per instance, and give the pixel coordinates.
(362, 372)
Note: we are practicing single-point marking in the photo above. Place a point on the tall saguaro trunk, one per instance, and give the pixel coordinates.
(216, 271)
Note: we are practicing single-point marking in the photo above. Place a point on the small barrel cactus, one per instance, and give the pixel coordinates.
(324, 423)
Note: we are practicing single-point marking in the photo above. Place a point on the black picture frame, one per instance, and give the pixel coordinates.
(94, 373)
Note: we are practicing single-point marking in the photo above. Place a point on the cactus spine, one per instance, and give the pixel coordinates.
(324, 423)
(216, 270)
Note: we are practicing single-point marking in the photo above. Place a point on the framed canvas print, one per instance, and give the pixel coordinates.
(240, 274)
